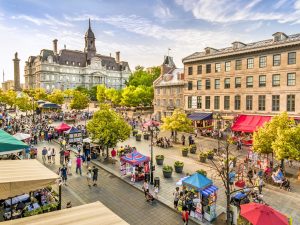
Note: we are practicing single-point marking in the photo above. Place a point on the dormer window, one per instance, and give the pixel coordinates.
(237, 45)
(209, 50)
(67, 62)
(79, 64)
(73, 63)
(279, 36)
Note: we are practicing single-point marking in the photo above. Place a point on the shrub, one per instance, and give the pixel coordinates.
(203, 155)
(159, 156)
(185, 149)
(178, 164)
(168, 168)
(201, 171)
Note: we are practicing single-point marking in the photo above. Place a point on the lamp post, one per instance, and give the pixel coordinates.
(32, 99)
(150, 128)
(218, 118)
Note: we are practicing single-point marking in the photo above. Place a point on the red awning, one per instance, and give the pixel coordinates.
(62, 127)
(249, 123)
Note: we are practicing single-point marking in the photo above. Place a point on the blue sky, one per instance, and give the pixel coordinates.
(142, 30)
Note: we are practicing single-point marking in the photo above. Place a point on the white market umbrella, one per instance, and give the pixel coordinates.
(87, 140)
(179, 183)
(21, 136)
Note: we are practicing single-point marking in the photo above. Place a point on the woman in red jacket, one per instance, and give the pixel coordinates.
(185, 216)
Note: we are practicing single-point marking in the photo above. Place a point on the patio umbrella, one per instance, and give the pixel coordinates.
(151, 123)
(21, 136)
(259, 214)
(9, 144)
(62, 127)
(87, 140)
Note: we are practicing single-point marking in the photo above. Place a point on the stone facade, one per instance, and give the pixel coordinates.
(168, 89)
(255, 78)
(69, 69)
(17, 85)
(8, 85)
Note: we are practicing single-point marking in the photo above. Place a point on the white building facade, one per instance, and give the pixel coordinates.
(69, 69)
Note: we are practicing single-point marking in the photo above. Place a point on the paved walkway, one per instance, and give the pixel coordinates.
(286, 202)
(123, 199)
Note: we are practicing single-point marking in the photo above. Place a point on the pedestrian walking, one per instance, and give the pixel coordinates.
(70, 167)
(89, 177)
(78, 164)
(250, 175)
(44, 153)
(49, 155)
(185, 216)
(183, 139)
(88, 161)
(113, 156)
(156, 190)
(61, 156)
(260, 184)
(231, 179)
(95, 175)
(176, 197)
(53, 155)
(146, 187)
(64, 174)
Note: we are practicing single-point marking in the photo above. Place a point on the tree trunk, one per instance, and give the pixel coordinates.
(107, 154)
(282, 164)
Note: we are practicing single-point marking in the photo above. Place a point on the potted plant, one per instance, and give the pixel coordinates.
(146, 136)
(210, 154)
(178, 166)
(202, 157)
(185, 151)
(134, 132)
(138, 137)
(46, 208)
(167, 171)
(53, 206)
(193, 149)
(201, 171)
(159, 159)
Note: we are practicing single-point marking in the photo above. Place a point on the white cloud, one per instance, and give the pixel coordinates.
(48, 20)
(161, 11)
(254, 26)
(225, 11)
(109, 33)
(279, 4)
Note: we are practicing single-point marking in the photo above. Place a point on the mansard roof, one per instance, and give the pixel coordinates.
(279, 39)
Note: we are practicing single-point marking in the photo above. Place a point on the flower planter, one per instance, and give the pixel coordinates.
(185, 153)
(210, 156)
(146, 136)
(138, 137)
(193, 149)
(202, 159)
(160, 161)
(134, 132)
(167, 174)
(178, 169)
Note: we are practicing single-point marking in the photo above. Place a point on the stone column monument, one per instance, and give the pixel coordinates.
(17, 86)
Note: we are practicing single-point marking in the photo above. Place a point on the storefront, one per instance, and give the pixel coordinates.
(201, 120)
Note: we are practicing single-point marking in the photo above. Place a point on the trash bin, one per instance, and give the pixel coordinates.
(156, 181)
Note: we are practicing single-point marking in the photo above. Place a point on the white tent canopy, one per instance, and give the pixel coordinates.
(22, 176)
(87, 140)
(21, 136)
(92, 214)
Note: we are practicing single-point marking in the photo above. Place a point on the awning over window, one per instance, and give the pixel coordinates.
(249, 123)
(200, 116)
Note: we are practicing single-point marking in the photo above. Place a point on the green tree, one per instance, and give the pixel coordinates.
(107, 128)
(144, 95)
(9, 98)
(101, 93)
(57, 97)
(178, 122)
(79, 101)
(24, 103)
(93, 93)
(113, 95)
(68, 93)
(82, 90)
(39, 94)
(266, 135)
(287, 144)
(142, 77)
(129, 97)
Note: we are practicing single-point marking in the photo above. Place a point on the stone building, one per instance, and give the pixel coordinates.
(259, 78)
(64, 69)
(168, 89)
(8, 85)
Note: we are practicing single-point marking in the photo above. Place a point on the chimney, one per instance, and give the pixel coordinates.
(55, 46)
(117, 57)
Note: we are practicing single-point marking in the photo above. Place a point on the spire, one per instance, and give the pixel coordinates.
(89, 23)
(3, 75)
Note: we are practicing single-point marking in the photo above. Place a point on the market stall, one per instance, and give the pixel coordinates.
(21, 136)
(19, 179)
(62, 127)
(206, 196)
(135, 164)
(9, 144)
(202, 121)
(92, 214)
(74, 135)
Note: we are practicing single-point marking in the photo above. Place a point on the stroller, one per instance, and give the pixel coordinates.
(149, 197)
(239, 198)
(286, 184)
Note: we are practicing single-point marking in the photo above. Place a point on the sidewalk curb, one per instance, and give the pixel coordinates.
(163, 203)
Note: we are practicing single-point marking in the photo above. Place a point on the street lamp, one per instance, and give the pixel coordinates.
(152, 127)
(218, 118)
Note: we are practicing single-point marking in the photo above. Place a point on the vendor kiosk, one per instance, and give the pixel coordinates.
(74, 135)
(135, 164)
(205, 203)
